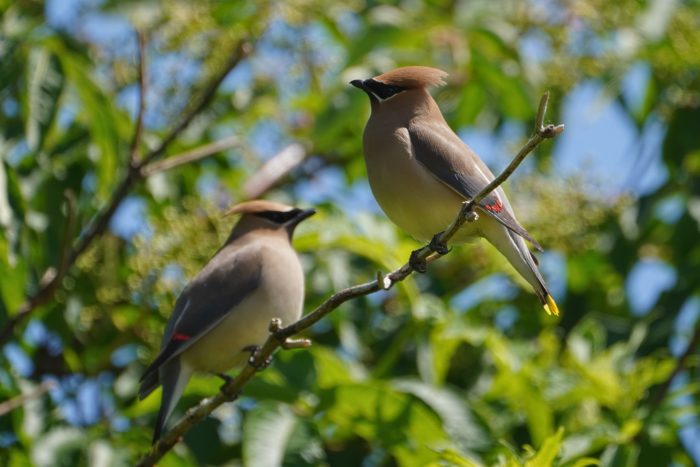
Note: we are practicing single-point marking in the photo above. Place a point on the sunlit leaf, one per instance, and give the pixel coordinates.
(548, 452)
(45, 80)
(266, 431)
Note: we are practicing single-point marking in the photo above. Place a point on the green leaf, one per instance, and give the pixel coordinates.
(330, 369)
(548, 452)
(472, 100)
(384, 417)
(456, 417)
(12, 264)
(586, 462)
(266, 431)
(59, 447)
(98, 114)
(509, 92)
(44, 90)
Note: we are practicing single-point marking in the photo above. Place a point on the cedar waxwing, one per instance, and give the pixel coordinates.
(224, 313)
(420, 171)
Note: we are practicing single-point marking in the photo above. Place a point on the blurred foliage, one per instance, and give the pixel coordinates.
(429, 373)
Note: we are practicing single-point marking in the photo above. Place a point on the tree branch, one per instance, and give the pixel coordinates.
(11, 404)
(71, 209)
(133, 175)
(279, 336)
(274, 170)
(190, 156)
(680, 366)
(138, 130)
(51, 278)
(243, 49)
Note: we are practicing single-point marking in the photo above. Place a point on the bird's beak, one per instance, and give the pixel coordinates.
(301, 216)
(360, 84)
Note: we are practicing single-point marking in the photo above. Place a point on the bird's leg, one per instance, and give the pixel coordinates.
(437, 245)
(227, 379)
(254, 350)
(416, 263)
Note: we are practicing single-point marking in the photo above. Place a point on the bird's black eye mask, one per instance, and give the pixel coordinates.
(279, 217)
(382, 90)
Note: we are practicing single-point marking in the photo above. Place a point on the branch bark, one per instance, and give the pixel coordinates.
(279, 337)
(190, 156)
(138, 130)
(99, 222)
(274, 170)
(11, 404)
(680, 366)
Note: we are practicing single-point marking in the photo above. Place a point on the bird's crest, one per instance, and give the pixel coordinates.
(413, 77)
(257, 205)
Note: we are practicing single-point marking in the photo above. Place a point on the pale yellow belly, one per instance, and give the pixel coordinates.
(410, 196)
(280, 295)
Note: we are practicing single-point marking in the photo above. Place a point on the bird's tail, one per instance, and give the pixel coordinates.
(514, 248)
(174, 377)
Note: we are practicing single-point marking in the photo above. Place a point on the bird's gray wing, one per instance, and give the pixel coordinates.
(229, 277)
(460, 169)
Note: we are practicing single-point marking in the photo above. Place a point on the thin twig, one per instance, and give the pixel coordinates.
(242, 51)
(680, 366)
(279, 337)
(143, 80)
(71, 209)
(274, 170)
(101, 219)
(11, 404)
(52, 276)
(190, 156)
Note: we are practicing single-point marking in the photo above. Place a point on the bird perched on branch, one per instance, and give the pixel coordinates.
(224, 312)
(420, 172)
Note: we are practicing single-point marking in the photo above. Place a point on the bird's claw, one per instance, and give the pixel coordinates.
(230, 397)
(227, 379)
(437, 245)
(253, 359)
(417, 264)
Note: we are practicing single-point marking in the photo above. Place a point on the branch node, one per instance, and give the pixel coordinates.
(417, 261)
(255, 359)
(438, 245)
(550, 131)
(290, 344)
(228, 394)
(384, 282)
(275, 325)
(48, 276)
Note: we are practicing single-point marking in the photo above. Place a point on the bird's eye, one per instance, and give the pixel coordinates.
(382, 90)
(278, 217)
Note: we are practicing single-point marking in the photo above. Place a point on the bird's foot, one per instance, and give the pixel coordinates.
(227, 379)
(253, 359)
(417, 264)
(437, 245)
(230, 396)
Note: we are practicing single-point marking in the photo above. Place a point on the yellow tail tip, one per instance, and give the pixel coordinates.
(551, 306)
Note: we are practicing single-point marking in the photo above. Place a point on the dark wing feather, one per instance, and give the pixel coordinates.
(230, 276)
(454, 170)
